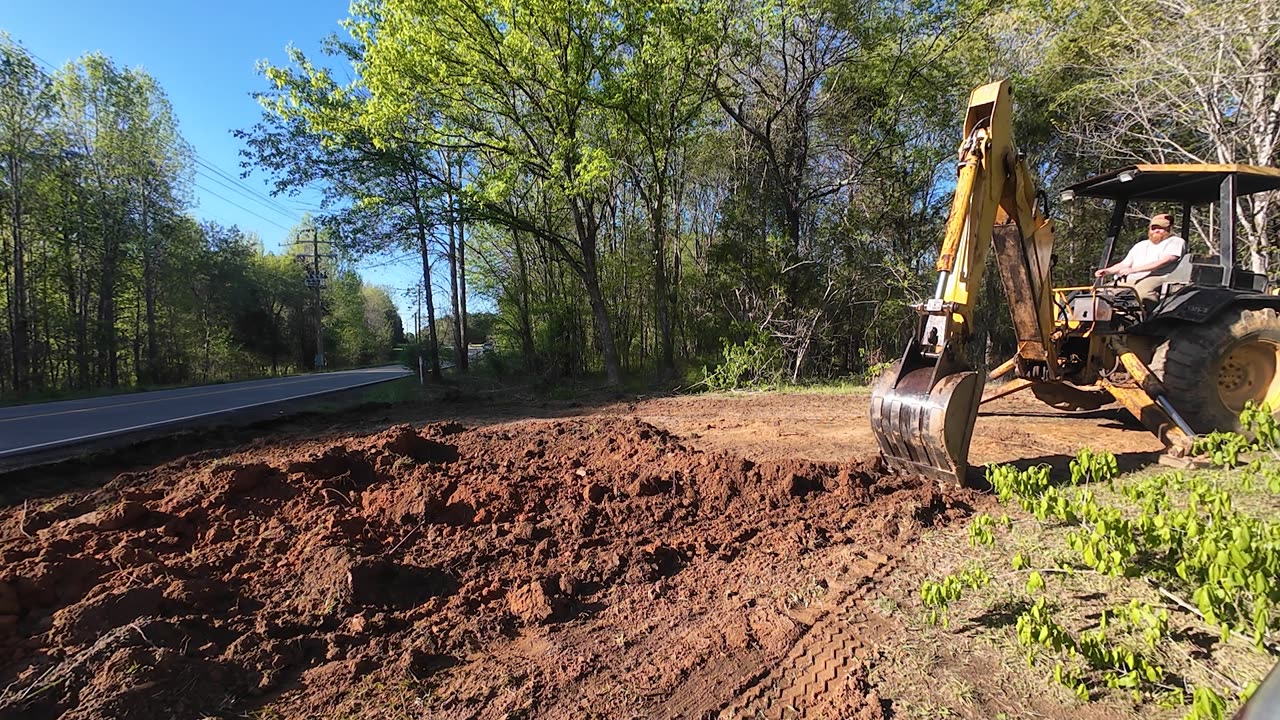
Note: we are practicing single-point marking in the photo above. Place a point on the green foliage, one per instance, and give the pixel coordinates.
(1035, 626)
(1221, 557)
(1206, 705)
(754, 363)
(982, 530)
(938, 595)
(1118, 665)
(1010, 483)
(1222, 448)
(873, 372)
(1181, 532)
(1259, 421)
(1152, 623)
(493, 363)
(1089, 466)
(117, 286)
(1262, 432)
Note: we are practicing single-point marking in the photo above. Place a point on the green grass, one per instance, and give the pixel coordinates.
(832, 387)
(396, 392)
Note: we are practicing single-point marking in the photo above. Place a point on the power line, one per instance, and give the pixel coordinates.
(247, 192)
(264, 200)
(229, 202)
(393, 261)
(42, 61)
(244, 194)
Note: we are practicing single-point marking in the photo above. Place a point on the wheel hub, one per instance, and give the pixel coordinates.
(1248, 372)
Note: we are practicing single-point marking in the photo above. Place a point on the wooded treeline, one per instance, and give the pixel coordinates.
(652, 184)
(634, 186)
(109, 281)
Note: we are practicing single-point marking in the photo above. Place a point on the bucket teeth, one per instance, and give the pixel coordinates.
(924, 426)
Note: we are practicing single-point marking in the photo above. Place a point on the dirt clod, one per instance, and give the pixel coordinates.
(531, 603)
(243, 478)
(123, 515)
(9, 604)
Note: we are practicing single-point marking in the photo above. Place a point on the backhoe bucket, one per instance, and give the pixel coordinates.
(923, 418)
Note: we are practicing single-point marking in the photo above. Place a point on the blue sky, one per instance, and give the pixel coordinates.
(203, 56)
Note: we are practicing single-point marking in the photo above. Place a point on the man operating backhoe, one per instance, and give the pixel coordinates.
(1149, 260)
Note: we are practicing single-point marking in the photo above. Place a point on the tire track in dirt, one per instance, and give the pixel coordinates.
(825, 672)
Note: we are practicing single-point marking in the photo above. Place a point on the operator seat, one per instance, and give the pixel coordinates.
(1177, 278)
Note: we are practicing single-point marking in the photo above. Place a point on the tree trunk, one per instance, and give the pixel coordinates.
(433, 347)
(109, 339)
(462, 286)
(661, 292)
(18, 301)
(587, 227)
(107, 320)
(149, 294)
(459, 344)
(275, 338)
(527, 348)
(604, 328)
(82, 303)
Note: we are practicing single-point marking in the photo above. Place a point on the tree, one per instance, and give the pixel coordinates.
(518, 85)
(1173, 81)
(382, 195)
(120, 123)
(660, 92)
(26, 107)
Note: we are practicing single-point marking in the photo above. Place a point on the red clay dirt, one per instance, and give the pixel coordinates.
(596, 566)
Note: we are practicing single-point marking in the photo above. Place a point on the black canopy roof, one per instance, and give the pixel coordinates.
(1195, 184)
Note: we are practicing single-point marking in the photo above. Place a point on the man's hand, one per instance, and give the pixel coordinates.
(1100, 273)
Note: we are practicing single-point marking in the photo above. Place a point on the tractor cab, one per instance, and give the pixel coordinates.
(1198, 286)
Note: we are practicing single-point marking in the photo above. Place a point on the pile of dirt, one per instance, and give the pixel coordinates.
(288, 576)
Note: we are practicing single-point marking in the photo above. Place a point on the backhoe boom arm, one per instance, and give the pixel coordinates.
(923, 409)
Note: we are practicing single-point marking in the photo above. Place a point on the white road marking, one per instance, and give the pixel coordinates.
(168, 421)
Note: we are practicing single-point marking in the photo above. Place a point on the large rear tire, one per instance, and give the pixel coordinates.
(1211, 370)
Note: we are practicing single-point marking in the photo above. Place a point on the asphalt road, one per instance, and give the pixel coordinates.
(28, 429)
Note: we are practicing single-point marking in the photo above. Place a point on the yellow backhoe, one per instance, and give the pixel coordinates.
(1183, 362)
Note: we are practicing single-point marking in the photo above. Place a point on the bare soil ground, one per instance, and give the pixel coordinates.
(677, 557)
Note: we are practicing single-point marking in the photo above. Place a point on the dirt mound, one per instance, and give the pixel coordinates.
(291, 576)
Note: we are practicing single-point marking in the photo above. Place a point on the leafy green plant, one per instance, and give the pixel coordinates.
(756, 362)
(1024, 486)
(1262, 432)
(1118, 665)
(874, 371)
(1206, 705)
(938, 595)
(1219, 558)
(982, 530)
(1182, 532)
(1261, 424)
(1093, 467)
(1222, 448)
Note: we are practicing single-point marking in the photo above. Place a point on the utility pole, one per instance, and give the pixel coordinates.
(315, 279)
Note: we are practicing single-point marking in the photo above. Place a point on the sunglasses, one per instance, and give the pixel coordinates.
(1158, 227)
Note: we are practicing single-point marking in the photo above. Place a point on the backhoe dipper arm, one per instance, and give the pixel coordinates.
(924, 408)
(995, 206)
